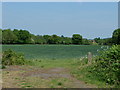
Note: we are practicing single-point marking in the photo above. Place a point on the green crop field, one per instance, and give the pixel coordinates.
(54, 51)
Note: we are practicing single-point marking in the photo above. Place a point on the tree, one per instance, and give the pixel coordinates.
(54, 39)
(77, 39)
(86, 42)
(24, 37)
(47, 37)
(105, 41)
(97, 39)
(116, 36)
(62, 36)
(0, 36)
(40, 40)
(8, 37)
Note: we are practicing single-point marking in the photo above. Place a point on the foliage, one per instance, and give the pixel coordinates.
(11, 58)
(116, 36)
(86, 42)
(115, 39)
(8, 37)
(54, 39)
(105, 41)
(0, 36)
(76, 39)
(110, 41)
(37, 39)
(104, 70)
(25, 37)
(107, 65)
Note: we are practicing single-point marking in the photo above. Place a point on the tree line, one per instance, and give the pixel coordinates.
(25, 37)
(115, 39)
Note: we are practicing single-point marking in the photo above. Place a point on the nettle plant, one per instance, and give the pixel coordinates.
(107, 65)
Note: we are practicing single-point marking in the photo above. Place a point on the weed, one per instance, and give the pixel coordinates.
(59, 83)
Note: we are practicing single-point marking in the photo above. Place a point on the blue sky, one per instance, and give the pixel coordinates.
(0, 14)
(90, 19)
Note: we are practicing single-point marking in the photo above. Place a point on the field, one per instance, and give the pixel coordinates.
(54, 51)
(52, 66)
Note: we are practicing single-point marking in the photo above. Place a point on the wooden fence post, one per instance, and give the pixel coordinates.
(89, 57)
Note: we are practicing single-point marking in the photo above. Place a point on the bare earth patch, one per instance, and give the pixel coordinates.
(34, 77)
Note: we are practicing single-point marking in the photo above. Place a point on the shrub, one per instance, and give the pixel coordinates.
(107, 65)
(10, 57)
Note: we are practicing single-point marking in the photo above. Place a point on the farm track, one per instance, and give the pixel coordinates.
(34, 77)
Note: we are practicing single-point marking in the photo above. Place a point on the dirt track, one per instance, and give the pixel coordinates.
(13, 76)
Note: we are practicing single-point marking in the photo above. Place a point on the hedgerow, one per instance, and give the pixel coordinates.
(107, 65)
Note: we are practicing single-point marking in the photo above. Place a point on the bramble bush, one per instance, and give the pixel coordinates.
(10, 57)
(107, 66)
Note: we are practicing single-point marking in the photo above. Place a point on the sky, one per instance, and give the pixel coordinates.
(60, 0)
(89, 19)
(0, 14)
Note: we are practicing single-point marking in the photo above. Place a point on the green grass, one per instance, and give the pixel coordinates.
(53, 51)
(47, 63)
(61, 82)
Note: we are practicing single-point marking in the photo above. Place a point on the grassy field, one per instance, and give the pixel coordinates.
(54, 51)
